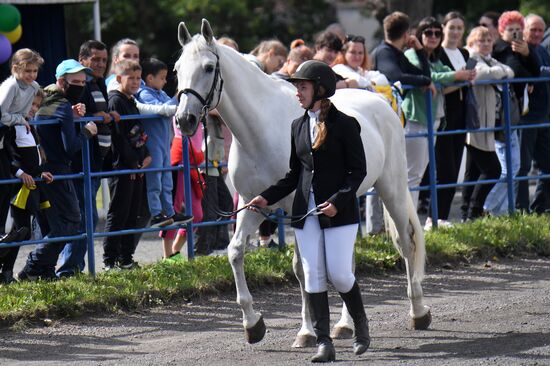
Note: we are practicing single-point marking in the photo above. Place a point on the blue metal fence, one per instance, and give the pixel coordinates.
(87, 175)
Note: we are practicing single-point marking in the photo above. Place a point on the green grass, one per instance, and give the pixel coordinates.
(163, 282)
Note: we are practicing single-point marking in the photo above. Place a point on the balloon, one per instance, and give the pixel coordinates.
(14, 35)
(5, 49)
(10, 17)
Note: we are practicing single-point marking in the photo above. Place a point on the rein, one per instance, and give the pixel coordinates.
(267, 213)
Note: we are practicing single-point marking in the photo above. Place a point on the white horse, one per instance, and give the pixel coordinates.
(259, 110)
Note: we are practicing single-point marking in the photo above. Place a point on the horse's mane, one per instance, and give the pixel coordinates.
(198, 44)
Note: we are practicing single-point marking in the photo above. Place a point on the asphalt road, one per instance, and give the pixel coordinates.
(483, 314)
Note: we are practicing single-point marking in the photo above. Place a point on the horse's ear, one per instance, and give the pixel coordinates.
(206, 31)
(183, 34)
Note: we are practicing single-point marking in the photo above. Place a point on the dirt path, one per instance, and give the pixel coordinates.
(483, 315)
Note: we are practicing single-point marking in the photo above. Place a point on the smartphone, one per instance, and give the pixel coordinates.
(517, 36)
(471, 64)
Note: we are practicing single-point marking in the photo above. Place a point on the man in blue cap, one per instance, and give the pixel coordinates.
(60, 142)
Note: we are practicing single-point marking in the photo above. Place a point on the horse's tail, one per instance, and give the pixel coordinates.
(416, 235)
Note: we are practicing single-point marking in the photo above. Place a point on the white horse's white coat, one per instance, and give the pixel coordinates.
(259, 110)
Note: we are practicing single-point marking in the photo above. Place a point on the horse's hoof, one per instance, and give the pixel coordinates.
(305, 341)
(342, 333)
(256, 333)
(423, 322)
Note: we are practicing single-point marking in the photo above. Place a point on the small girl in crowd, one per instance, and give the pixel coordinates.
(17, 92)
(174, 240)
(26, 161)
(16, 96)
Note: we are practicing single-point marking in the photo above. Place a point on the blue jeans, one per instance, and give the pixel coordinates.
(159, 184)
(63, 218)
(497, 200)
(72, 257)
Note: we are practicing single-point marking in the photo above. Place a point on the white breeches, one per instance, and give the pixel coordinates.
(326, 254)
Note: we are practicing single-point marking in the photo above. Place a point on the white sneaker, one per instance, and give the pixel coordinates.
(428, 225)
(440, 223)
(444, 223)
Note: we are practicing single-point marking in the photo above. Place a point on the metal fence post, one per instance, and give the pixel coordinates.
(187, 194)
(280, 227)
(431, 155)
(508, 146)
(359, 214)
(88, 208)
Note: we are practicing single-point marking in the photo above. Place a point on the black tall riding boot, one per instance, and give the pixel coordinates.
(320, 315)
(354, 303)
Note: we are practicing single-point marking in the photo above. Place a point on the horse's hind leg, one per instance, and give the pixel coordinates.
(253, 323)
(306, 336)
(408, 237)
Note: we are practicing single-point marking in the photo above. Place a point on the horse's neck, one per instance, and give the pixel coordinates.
(254, 107)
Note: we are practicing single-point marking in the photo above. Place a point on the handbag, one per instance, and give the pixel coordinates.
(515, 114)
(472, 115)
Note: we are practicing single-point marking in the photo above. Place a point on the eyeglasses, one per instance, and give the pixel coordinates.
(432, 33)
(484, 25)
(352, 38)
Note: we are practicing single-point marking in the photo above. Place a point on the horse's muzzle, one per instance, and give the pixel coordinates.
(187, 123)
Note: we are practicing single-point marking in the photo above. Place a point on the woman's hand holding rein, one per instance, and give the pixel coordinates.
(328, 209)
(258, 201)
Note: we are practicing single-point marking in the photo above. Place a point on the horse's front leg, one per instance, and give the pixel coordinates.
(306, 336)
(253, 322)
(344, 328)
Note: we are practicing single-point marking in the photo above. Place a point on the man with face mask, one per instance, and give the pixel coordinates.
(60, 142)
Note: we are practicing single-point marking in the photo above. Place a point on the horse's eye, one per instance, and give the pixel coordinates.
(209, 68)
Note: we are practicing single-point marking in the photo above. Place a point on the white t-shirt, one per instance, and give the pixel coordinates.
(456, 58)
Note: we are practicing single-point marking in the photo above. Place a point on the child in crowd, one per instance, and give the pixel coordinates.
(172, 242)
(17, 92)
(129, 152)
(159, 184)
(16, 95)
(26, 160)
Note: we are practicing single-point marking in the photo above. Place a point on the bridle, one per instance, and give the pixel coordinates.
(207, 102)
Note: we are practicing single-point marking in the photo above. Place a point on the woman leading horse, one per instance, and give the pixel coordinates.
(327, 166)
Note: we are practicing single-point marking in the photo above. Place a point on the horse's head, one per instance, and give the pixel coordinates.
(199, 79)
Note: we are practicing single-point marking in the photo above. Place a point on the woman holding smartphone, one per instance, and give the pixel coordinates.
(513, 51)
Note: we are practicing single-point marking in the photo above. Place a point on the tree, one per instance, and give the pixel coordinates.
(154, 23)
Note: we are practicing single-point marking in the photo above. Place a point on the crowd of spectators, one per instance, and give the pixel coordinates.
(433, 57)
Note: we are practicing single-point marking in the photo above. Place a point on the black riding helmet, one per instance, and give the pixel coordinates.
(320, 74)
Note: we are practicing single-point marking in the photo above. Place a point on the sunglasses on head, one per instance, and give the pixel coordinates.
(432, 33)
(352, 38)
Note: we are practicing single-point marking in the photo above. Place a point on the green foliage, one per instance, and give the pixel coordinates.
(154, 23)
(472, 10)
(539, 7)
(164, 282)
